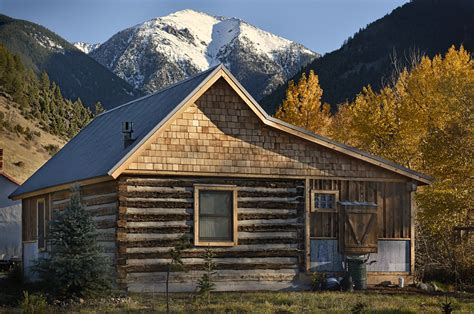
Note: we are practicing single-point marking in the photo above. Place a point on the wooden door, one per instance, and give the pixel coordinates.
(359, 230)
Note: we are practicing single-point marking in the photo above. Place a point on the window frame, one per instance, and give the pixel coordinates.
(215, 187)
(43, 201)
(324, 210)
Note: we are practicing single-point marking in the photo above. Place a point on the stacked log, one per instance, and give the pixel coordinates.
(154, 213)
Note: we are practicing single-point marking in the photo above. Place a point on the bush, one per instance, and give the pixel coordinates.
(19, 164)
(33, 303)
(318, 281)
(52, 149)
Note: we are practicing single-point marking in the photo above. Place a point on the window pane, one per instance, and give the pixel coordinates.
(215, 215)
(215, 229)
(324, 201)
(215, 203)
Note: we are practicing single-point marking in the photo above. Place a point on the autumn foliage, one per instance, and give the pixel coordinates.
(424, 120)
(302, 106)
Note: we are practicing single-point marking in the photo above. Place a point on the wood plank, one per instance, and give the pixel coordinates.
(218, 261)
(222, 275)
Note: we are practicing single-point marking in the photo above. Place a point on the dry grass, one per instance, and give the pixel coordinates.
(22, 157)
(277, 302)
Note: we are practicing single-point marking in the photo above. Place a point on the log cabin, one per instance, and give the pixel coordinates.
(201, 158)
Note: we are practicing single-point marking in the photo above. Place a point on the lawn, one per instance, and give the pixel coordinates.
(275, 302)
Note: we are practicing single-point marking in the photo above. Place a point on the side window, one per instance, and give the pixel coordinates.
(41, 223)
(324, 201)
(215, 215)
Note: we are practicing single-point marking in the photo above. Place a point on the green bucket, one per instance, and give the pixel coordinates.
(357, 269)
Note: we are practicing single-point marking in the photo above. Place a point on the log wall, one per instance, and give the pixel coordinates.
(155, 212)
(101, 201)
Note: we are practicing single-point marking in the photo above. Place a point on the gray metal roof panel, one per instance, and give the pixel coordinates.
(99, 146)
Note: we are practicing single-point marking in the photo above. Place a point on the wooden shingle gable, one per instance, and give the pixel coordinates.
(179, 163)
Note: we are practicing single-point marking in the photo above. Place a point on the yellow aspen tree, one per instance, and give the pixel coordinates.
(302, 106)
(425, 121)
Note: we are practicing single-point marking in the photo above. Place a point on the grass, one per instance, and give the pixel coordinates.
(275, 302)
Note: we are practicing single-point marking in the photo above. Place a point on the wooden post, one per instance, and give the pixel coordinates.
(307, 241)
(412, 227)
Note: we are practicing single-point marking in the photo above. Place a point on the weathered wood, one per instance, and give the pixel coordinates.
(222, 275)
(228, 285)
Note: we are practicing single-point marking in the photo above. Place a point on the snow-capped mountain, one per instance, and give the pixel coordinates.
(85, 47)
(167, 49)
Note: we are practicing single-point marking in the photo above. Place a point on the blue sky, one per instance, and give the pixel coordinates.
(321, 25)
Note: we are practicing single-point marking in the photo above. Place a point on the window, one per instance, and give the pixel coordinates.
(41, 224)
(324, 201)
(215, 215)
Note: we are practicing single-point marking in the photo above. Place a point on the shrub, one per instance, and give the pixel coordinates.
(205, 284)
(318, 281)
(33, 303)
(19, 164)
(52, 149)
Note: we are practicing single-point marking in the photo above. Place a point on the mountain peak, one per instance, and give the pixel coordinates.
(166, 49)
(85, 47)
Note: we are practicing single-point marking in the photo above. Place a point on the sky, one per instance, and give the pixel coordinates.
(320, 25)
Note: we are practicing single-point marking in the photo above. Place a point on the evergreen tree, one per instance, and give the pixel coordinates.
(302, 106)
(41, 99)
(98, 108)
(176, 264)
(205, 284)
(75, 265)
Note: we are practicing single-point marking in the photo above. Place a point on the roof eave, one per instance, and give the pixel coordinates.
(63, 186)
(421, 178)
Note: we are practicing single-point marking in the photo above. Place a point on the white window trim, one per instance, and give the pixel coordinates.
(215, 187)
(324, 210)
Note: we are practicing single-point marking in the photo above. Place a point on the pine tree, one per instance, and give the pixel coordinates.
(176, 264)
(98, 108)
(205, 284)
(75, 265)
(302, 106)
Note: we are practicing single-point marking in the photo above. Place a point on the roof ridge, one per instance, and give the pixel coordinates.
(162, 90)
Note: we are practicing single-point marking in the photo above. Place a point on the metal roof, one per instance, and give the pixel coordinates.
(99, 146)
(98, 150)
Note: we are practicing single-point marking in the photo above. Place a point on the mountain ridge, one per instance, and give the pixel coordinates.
(77, 74)
(163, 50)
(421, 26)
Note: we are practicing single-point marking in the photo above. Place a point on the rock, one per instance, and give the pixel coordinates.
(81, 301)
(423, 286)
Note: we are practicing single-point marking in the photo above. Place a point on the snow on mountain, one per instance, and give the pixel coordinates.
(167, 49)
(85, 47)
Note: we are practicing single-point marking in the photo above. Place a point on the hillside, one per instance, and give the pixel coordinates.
(24, 154)
(78, 75)
(424, 26)
(164, 50)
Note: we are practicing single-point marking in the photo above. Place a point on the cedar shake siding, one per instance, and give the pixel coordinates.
(219, 134)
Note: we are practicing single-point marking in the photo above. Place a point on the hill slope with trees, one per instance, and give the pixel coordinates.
(35, 119)
(78, 75)
(420, 27)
